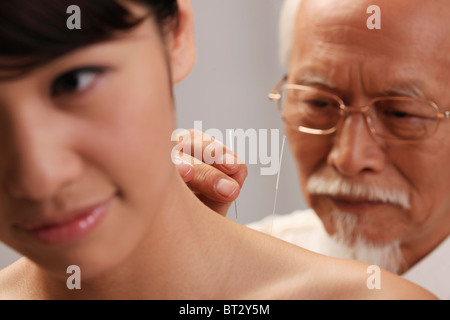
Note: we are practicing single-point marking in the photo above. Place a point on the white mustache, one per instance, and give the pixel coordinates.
(341, 187)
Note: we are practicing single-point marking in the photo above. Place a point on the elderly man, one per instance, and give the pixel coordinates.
(366, 113)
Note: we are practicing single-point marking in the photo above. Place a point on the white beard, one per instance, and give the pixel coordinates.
(386, 256)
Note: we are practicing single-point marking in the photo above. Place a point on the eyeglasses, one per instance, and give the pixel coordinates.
(395, 119)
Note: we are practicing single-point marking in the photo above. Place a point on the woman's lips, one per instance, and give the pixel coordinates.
(82, 222)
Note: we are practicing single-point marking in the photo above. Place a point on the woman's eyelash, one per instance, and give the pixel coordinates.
(71, 81)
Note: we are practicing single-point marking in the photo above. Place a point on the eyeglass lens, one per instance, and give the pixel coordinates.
(396, 118)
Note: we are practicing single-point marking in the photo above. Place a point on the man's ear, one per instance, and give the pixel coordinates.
(181, 43)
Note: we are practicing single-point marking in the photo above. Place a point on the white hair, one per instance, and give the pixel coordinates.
(348, 242)
(286, 33)
(338, 186)
(387, 256)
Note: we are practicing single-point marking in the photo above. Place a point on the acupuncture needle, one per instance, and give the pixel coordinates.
(277, 184)
(232, 149)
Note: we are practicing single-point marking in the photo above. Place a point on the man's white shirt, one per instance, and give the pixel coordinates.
(305, 229)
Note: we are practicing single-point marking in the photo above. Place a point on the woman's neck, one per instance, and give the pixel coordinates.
(178, 251)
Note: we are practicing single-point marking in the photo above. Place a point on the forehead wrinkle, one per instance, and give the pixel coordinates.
(396, 80)
(349, 37)
(410, 88)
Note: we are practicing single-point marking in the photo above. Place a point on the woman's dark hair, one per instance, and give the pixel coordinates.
(33, 32)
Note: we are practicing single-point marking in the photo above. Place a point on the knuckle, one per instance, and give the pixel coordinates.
(206, 173)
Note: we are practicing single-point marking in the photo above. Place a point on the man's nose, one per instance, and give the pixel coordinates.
(41, 161)
(355, 149)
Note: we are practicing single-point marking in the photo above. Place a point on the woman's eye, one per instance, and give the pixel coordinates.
(75, 81)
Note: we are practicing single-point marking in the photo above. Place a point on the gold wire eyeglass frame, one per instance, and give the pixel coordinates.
(276, 96)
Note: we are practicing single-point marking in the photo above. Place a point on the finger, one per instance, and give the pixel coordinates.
(219, 207)
(209, 151)
(184, 167)
(223, 191)
(214, 184)
(240, 175)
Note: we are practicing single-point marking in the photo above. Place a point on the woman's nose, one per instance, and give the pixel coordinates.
(42, 160)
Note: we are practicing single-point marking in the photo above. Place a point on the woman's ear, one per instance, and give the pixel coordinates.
(181, 43)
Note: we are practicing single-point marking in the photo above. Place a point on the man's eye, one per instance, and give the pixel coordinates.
(398, 114)
(319, 103)
(75, 81)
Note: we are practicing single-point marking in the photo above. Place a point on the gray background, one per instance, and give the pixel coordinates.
(237, 65)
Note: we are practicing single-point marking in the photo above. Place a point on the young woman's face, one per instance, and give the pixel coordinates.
(85, 152)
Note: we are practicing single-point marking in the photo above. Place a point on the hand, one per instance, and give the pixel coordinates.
(217, 184)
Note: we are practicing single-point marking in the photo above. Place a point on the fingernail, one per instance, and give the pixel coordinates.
(184, 167)
(226, 188)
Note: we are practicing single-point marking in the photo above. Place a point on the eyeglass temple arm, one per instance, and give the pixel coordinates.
(275, 95)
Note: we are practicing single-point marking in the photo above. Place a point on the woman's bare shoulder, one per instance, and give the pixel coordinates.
(353, 280)
(14, 280)
(302, 274)
(280, 269)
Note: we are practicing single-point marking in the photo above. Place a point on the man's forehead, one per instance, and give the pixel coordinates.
(329, 42)
(410, 87)
(413, 23)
